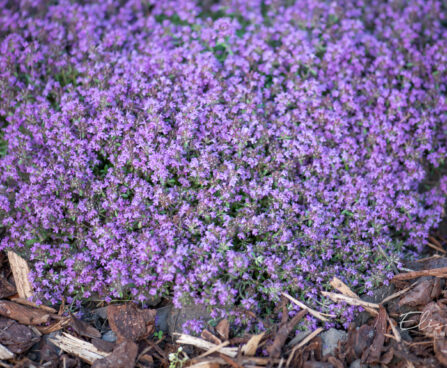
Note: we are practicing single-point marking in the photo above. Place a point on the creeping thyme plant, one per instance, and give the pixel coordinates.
(219, 152)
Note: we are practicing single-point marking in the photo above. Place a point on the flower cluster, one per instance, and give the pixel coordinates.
(220, 152)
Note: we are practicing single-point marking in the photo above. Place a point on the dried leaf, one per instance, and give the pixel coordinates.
(129, 322)
(223, 329)
(22, 314)
(251, 346)
(123, 356)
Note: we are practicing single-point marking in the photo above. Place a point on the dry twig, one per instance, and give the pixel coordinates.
(436, 272)
(204, 345)
(320, 316)
(352, 301)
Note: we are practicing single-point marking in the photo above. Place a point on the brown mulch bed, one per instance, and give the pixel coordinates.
(403, 326)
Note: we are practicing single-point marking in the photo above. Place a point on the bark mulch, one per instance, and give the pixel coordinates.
(404, 325)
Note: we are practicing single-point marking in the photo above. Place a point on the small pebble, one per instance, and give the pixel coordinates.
(109, 336)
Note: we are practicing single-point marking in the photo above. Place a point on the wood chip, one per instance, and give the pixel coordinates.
(6, 288)
(16, 337)
(20, 271)
(23, 314)
(302, 343)
(281, 336)
(204, 345)
(77, 347)
(230, 361)
(339, 285)
(351, 301)
(123, 356)
(316, 314)
(436, 272)
(208, 364)
(249, 349)
(84, 329)
(34, 305)
(129, 322)
(395, 295)
(5, 354)
(59, 325)
(372, 354)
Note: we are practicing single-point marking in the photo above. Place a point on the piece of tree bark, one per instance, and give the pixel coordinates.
(129, 322)
(209, 364)
(20, 271)
(436, 272)
(34, 305)
(22, 314)
(16, 337)
(84, 329)
(282, 334)
(123, 356)
(208, 336)
(6, 289)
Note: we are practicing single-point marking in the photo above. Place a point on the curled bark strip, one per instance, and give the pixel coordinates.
(283, 333)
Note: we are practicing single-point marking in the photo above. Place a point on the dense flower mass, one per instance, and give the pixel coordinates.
(219, 151)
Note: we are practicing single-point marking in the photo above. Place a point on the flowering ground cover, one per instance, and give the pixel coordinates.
(220, 152)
